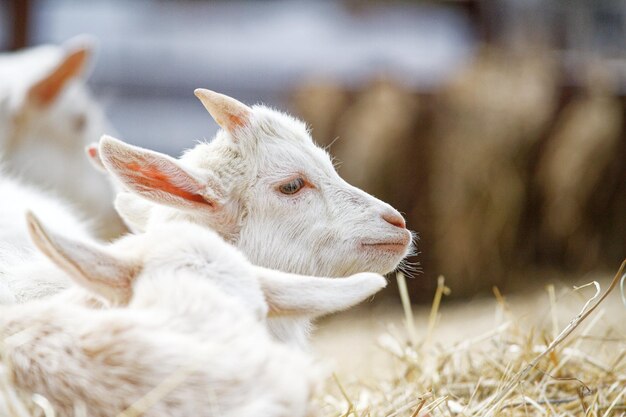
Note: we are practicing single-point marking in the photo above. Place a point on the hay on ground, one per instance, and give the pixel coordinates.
(512, 370)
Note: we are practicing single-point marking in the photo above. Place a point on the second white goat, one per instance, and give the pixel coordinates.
(194, 314)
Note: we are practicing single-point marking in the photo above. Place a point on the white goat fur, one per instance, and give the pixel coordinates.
(27, 275)
(194, 313)
(232, 185)
(47, 117)
(24, 273)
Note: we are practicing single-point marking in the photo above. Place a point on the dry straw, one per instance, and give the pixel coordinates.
(509, 371)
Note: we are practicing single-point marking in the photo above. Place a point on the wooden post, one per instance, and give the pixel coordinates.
(19, 10)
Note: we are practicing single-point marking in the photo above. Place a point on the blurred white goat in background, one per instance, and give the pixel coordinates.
(47, 117)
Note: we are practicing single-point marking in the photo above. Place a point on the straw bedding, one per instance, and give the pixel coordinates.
(512, 370)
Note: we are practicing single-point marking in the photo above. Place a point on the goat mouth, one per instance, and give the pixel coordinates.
(390, 246)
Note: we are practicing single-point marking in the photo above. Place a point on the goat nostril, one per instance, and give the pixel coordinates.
(394, 220)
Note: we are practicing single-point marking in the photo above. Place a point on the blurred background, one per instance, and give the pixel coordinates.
(496, 127)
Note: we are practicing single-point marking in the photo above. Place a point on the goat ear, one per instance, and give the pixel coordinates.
(227, 112)
(155, 176)
(93, 155)
(46, 90)
(292, 294)
(90, 266)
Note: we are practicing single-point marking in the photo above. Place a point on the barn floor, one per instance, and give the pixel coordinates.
(348, 342)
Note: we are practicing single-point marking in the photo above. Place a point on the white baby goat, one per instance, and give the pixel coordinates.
(191, 332)
(266, 187)
(47, 117)
(24, 273)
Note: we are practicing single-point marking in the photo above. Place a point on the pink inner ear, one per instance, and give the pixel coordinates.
(151, 177)
(46, 90)
(236, 121)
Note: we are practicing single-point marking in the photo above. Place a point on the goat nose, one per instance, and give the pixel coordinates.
(394, 219)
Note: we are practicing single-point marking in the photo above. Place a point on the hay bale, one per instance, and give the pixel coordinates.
(375, 134)
(573, 169)
(491, 118)
(321, 103)
(371, 131)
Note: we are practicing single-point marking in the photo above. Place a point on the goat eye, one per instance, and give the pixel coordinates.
(79, 123)
(292, 187)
